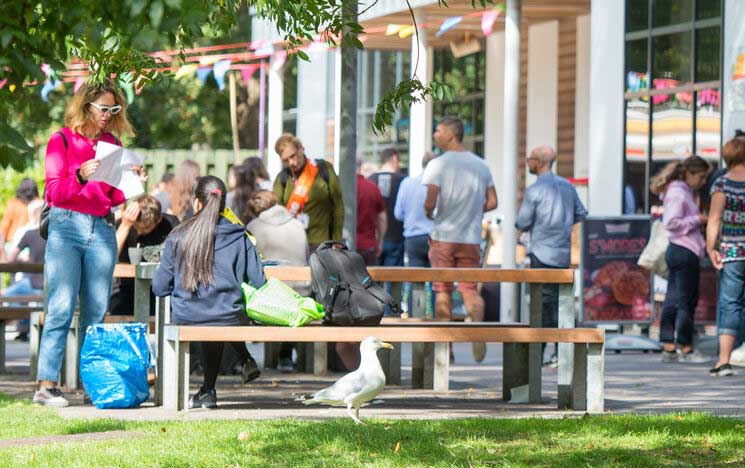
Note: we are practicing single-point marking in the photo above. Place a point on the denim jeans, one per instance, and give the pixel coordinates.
(393, 254)
(731, 320)
(550, 297)
(80, 257)
(676, 322)
(417, 256)
(22, 288)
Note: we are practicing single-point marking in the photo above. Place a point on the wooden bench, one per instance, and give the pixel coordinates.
(584, 390)
(16, 308)
(69, 371)
(527, 353)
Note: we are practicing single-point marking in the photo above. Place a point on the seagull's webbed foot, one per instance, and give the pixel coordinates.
(355, 415)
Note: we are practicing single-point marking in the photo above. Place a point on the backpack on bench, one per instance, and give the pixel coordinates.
(342, 284)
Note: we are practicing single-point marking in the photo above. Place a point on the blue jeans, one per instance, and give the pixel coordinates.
(80, 257)
(22, 288)
(393, 254)
(731, 319)
(417, 256)
(676, 322)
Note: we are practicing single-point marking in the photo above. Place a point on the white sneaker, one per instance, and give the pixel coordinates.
(50, 396)
(694, 357)
(737, 358)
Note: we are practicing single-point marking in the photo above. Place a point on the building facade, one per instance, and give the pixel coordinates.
(619, 87)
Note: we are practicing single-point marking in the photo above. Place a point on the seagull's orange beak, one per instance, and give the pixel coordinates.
(387, 345)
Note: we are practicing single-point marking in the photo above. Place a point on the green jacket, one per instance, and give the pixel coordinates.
(325, 207)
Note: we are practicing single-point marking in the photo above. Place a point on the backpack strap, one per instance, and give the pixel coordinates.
(323, 171)
(64, 138)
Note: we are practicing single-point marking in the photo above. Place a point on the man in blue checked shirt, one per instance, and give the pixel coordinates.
(550, 209)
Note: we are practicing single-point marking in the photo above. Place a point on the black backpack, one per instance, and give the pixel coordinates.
(342, 284)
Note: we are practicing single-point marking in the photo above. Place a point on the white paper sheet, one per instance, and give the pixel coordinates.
(116, 168)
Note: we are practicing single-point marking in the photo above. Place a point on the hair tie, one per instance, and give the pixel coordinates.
(217, 192)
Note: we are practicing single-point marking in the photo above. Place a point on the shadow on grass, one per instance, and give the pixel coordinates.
(665, 440)
(94, 425)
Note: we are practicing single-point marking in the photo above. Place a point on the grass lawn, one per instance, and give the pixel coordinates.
(691, 439)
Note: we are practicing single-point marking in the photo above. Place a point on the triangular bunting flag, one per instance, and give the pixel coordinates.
(185, 70)
(125, 82)
(406, 31)
(248, 71)
(203, 74)
(487, 21)
(279, 59)
(392, 29)
(449, 24)
(78, 83)
(220, 69)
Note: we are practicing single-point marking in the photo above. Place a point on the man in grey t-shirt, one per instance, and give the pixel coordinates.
(460, 186)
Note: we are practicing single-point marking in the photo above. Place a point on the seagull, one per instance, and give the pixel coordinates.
(358, 387)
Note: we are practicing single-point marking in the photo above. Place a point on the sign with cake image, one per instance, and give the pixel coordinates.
(614, 287)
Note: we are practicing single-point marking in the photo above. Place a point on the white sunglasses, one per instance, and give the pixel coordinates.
(104, 109)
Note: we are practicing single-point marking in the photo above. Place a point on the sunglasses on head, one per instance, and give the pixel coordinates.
(113, 110)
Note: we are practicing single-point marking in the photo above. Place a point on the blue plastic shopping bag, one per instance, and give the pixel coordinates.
(113, 364)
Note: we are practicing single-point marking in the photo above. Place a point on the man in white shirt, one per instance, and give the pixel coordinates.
(460, 186)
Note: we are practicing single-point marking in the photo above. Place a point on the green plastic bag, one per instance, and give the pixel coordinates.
(277, 304)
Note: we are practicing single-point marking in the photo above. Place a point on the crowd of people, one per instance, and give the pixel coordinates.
(215, 236)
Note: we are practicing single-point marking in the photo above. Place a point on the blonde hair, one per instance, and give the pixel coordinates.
(183, 183)
(78, 115)
(677, 170)
(287, 139)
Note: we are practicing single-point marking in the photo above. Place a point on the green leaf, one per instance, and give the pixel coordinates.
(156, 13)
(10, 137)
(137, 6)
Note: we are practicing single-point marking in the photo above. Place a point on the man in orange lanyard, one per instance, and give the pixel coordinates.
(310, 190)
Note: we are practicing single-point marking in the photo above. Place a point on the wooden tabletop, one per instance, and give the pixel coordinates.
(392, 274)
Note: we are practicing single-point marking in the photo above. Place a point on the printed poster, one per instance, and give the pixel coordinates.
(614, 287)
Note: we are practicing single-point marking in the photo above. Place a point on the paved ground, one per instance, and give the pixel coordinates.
(635, 383)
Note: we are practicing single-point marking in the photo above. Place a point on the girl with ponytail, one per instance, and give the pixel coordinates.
(204, 262)
(676, 185)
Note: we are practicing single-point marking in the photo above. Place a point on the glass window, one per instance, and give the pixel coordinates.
(667, 12)
(671, 60)
(672, 126)
(637, 15)
(662, 104)
(387, 72)
(707, 54)
(636, 65)
(708, 8)
(289, 83)
(708, 124)
(637, 130)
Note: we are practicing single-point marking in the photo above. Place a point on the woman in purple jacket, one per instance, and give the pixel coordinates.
(675, 185)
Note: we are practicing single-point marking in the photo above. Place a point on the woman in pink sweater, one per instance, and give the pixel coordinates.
(81, 247)
(675, 185)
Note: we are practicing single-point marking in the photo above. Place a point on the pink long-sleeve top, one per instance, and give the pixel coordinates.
(681, 217)
(63, 189)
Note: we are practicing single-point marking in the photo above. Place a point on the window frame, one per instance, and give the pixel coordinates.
(650, 33)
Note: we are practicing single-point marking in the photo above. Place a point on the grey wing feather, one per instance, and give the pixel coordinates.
(347, 385)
